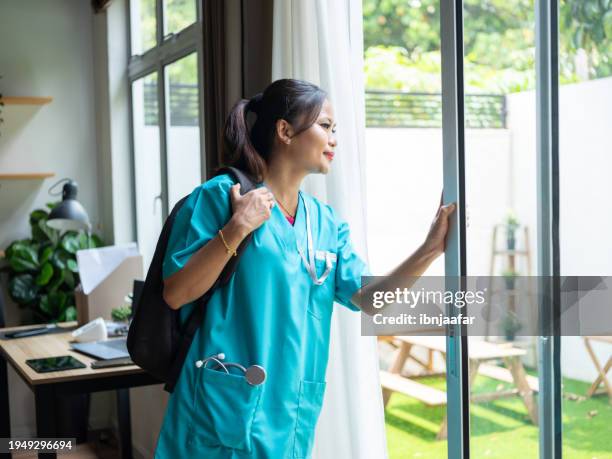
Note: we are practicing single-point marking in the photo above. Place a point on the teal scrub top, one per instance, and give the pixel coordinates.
(272, 314)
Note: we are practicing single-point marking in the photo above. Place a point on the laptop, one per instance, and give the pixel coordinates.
(111, 348)
(104, 349)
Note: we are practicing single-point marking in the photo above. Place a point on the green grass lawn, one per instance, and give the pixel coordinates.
(500, 429)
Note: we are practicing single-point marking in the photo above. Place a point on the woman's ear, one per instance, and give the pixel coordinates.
(284, 131)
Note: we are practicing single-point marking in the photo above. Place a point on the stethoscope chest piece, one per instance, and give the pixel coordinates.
(255, 375)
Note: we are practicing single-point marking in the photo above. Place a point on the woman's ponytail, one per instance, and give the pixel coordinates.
(238, 150)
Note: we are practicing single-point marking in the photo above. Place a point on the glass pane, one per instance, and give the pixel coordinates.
(143, 25)
(501, 201)
(182, 128)
(147, 164)
(404, 181)
(178, 14)
(585, 117)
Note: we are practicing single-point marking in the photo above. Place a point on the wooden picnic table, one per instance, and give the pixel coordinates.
(480, 352)
(602, 371)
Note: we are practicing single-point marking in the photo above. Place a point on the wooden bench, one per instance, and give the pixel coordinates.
(479, 352)
(503, 374)
(396, 383)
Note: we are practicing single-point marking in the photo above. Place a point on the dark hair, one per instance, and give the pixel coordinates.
(248, 148)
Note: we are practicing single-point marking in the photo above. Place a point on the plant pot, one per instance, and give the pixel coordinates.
(510, 336)
(511, 242)
(510, 281)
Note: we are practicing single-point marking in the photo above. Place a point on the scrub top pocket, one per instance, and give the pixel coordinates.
(321, 302)
(310, 400)
(224, 409)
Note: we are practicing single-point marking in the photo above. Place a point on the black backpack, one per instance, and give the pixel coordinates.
(156, 340)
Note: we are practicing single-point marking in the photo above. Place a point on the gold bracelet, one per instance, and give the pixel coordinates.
(228, 249)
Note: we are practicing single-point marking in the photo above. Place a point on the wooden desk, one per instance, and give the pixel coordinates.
(47, 386)
(479, 353)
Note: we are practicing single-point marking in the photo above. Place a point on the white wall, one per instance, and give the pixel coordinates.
(585, 149)
(404, 182)
(46, 50)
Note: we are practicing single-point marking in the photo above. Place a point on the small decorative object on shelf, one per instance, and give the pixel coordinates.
(123, 312)
(510, 324)
(512, 224)
(510, 277)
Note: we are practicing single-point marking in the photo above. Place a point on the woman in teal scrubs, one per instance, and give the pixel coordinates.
(275, 311)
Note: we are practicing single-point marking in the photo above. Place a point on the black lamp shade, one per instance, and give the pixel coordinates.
(69, 214)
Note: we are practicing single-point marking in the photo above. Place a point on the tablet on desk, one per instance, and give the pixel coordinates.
(59, 363)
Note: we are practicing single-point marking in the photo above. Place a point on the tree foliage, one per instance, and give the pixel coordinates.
(402, 43)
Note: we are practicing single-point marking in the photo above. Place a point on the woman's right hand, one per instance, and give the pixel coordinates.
(253, 208)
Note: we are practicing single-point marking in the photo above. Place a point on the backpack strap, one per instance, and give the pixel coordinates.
(246, 185)
(197, 314)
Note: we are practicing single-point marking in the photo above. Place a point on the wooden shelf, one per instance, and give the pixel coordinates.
(26, 100)
(27, 176)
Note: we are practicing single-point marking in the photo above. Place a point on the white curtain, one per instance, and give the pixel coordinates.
(321, 41)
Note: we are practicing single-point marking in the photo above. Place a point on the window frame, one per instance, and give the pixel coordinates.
(168, 49)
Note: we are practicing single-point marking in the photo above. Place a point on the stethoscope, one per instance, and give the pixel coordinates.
(310, 262)
(254, 375)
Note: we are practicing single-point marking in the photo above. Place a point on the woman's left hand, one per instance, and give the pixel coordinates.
(436, 238)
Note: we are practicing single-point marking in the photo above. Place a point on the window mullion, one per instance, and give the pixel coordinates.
(180, 45)
(453, 146)
(161, 101)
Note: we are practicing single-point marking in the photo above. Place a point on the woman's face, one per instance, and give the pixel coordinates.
(313, 149)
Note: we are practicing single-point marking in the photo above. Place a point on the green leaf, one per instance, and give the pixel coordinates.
(45, 274)
(51, 233)
(58, 280)
(69, 278)
(23, 289)
(590, 10)
(54, 303)
(598, 33)
(95, 241)
(23, 256)
(45, 305)
(46, 254)
(70, 242)
(83, 240)
(578, 37)
(60, 257)
(38, 214)
(607, 24)
(36, 217)
(72, 265)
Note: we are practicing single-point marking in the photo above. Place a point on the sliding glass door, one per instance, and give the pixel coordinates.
(522, 124)
(481, 169)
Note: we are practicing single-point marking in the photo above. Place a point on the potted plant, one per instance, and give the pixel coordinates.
(512, 225)
(510, 324)
(510, 277)
(43, 271)
(122, 313)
